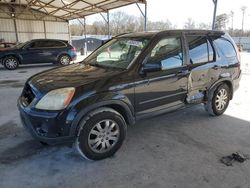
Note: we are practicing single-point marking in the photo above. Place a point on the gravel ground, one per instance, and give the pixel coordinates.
(179, 149)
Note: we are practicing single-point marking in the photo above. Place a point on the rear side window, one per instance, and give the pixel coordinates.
(200, 49)
(55, 44)
(226, 47)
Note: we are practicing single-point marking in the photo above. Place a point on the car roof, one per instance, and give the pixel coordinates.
(172, 32)
(49, 40)
(7, 43)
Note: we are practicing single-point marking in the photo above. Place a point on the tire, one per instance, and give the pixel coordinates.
(218, 100)
(101, 134)
(64, 60)
(10, 62)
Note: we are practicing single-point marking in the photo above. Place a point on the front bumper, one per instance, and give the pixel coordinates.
(46, 127)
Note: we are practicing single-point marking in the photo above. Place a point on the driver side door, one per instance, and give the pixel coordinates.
(165, 87)
(32, 53)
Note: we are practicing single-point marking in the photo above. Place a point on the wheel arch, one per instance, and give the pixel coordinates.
(119, 106)
(13, 55)
(63, 53)
(226, 81)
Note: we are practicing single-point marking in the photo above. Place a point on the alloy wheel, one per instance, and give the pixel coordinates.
(64, 60)
(11, 63)
(103, 136)
(221, 99)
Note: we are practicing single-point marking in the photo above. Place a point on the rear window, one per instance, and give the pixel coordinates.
(200, 49)
(226, 47)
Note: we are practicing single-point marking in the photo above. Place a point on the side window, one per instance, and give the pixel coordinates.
(43, 44)
(55, 44)
(35, 44)
(167, 52)
(226, 47)
(200, 49)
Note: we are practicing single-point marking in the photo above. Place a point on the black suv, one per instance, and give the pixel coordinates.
(132, 76)
(38, 51)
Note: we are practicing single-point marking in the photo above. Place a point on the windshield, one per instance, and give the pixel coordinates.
(117, 53)
(20, 45)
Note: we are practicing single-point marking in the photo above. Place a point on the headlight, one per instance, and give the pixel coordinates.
(57, 99)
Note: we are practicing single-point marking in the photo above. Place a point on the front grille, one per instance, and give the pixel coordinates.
(27, 95)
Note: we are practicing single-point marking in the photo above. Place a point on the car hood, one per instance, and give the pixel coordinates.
(8, 49)
(4, 49)
(71, 76)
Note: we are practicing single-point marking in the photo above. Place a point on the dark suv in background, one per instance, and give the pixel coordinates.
(38, 51)
(130, 77)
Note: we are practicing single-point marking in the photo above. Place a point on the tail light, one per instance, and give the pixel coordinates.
(73, 49)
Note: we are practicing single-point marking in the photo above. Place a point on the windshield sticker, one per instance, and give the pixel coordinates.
(134, 43)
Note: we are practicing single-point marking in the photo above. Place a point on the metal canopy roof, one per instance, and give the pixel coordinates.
(67, 9)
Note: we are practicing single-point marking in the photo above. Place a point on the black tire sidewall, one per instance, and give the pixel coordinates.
(82, 138)
(10, 57)
(219, 112)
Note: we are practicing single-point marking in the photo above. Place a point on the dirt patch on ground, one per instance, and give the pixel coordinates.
(11, 83)
(9, 128)
(21, 151)
(22, 71)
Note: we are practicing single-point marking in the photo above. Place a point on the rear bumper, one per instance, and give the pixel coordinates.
(74, 57)
(236, 82)
(44, 127)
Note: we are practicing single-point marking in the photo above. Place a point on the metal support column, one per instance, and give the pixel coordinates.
(106, 19)
(144, 14)
(45, 30)
(214, 16)
(69, 31)
(108, 25)
(15, 27)
(85, 35)
(85, 38)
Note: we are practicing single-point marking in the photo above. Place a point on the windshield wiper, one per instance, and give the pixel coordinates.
(103, 66)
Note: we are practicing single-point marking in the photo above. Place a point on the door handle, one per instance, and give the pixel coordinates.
(216, 67)
(182, 72)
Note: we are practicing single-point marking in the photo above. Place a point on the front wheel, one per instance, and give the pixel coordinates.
(218, 100)
(10, 62)
(101, 134)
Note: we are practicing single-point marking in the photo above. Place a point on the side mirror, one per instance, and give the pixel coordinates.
(152, 67)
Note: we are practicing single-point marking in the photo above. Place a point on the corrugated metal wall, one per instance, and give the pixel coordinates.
(7, 30)
(244, 41)
(28, 28)
(57, 30)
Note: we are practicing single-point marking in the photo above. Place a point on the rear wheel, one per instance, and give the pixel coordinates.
(218, 100)
(64, 60)
(101, 134)
(10, 62)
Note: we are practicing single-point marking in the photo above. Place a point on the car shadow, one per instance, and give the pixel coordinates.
(31, 66)
(189, 128)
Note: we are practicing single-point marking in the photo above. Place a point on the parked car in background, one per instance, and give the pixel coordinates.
(5, 45)
(38, 51)
(130, 77)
